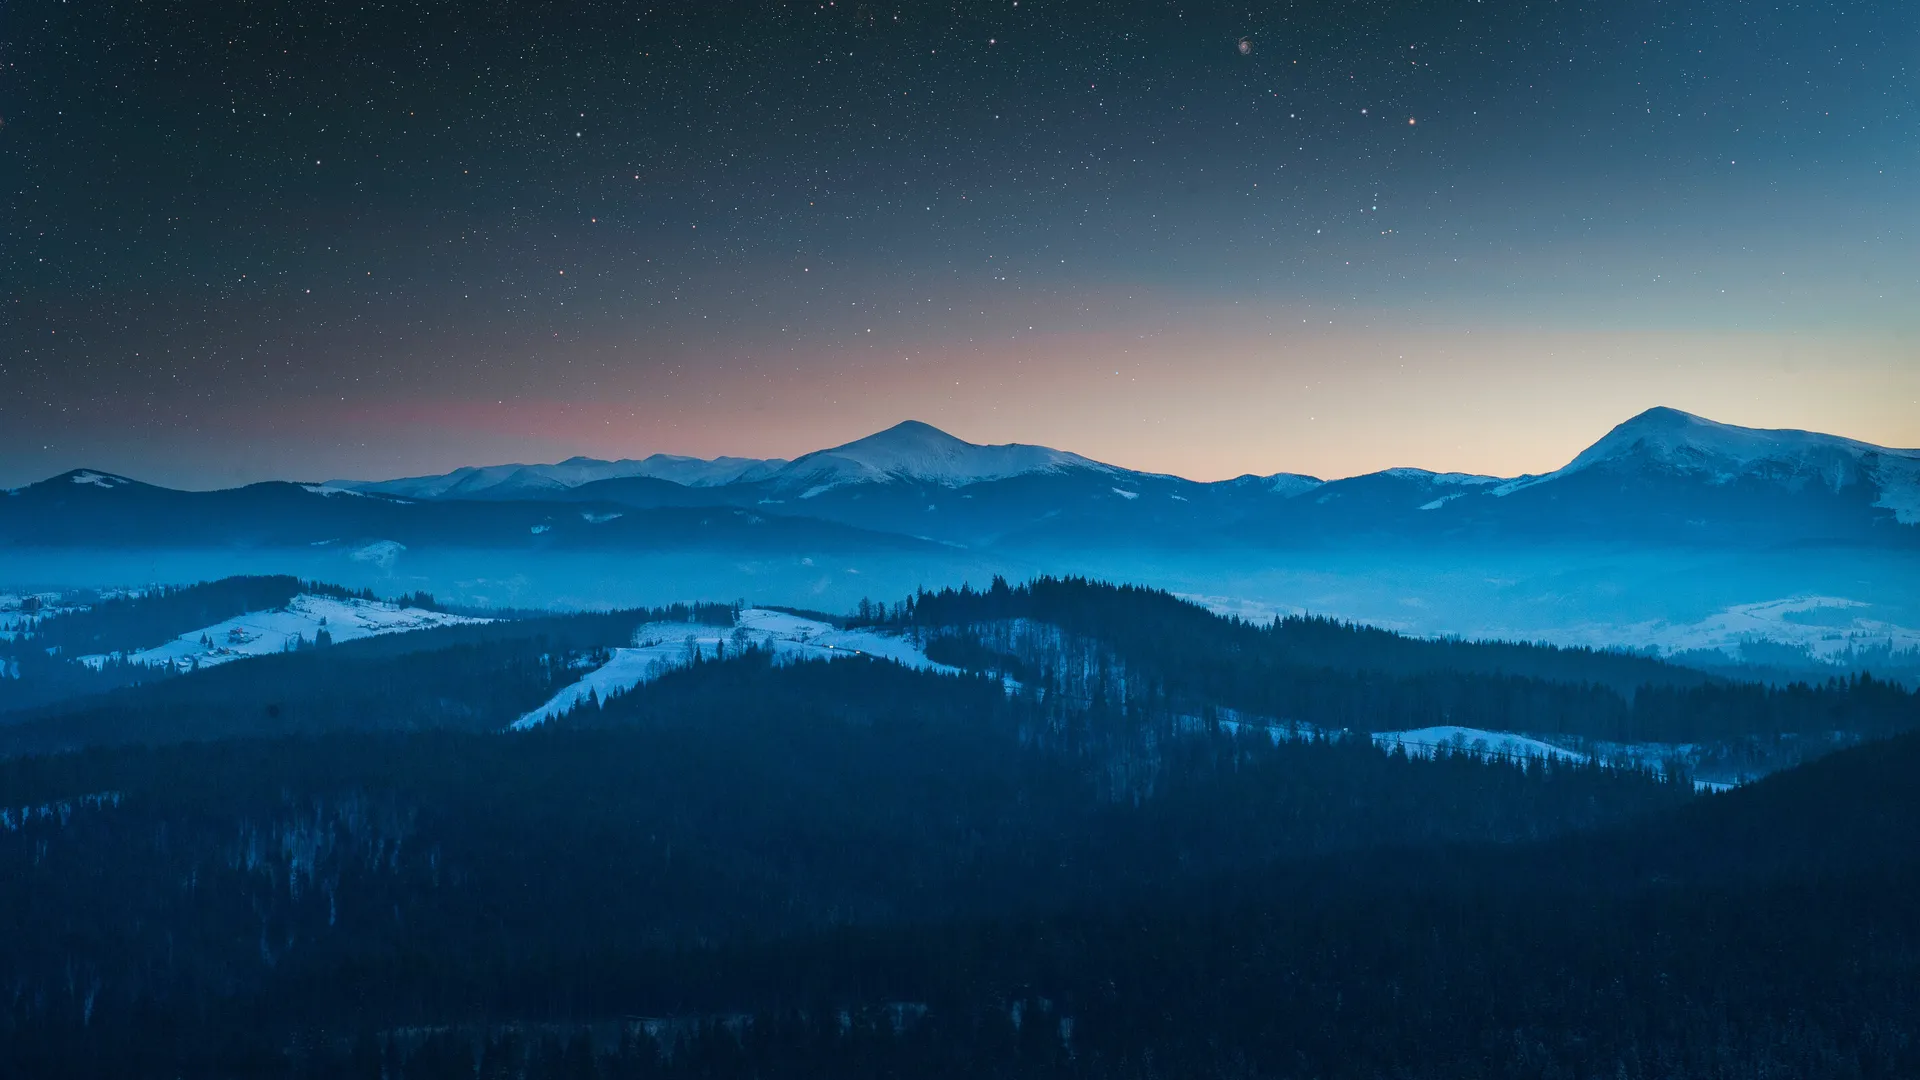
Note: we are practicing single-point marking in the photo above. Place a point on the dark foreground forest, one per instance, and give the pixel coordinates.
(337, 862)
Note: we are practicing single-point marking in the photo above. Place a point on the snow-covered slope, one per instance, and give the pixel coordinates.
(83, 478)
(492, 481)
(1442, 479)
(922, 452)
(1682, 444)
(661, 647)
(259, 633)
(97, 479)
(1285, 485)
(1507, 746)
(1827, 627)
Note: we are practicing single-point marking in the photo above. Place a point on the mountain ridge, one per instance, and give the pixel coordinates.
(1663, 477)
(913, 449)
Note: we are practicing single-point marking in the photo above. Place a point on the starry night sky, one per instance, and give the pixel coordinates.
(311, 239)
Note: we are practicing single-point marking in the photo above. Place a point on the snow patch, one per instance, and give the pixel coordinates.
(1508, 746)
(661, 647)
(260, 633)
(381, 553)
(95, 479)
(1826, 626)
(1428, 741)
(1450, 478)
(1899, 480)
(1287, 485)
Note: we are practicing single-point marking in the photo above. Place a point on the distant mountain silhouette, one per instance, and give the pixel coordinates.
(1663, 477)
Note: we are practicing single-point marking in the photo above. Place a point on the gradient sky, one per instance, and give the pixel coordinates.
(312, 240)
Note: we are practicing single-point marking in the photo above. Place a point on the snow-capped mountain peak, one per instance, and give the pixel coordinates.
(1689, 443)
(492, 481)
(1671, 441)
(1458, 479)
(1287, 485)
(916, 451)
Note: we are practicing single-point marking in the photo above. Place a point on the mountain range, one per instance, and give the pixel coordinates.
(1664, 477)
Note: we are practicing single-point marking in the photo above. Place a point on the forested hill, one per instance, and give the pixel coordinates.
(850, 869)
(1141, 622)
(476, 677)
(1156, 651)
(44, 657)
(1089, 832)
(141, 619)
(1075, 646)
(272, 900)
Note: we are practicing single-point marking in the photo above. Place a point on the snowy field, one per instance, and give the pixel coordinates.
(259, 633)
(14, 613)
(1669, 600)
(1825, 626)
(1830, 629)
(661, 647)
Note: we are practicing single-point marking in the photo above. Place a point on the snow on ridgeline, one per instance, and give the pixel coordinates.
(1508, 746)
(1682, 443)
(661, 647)
(490, 480)
(259, 633)
(1426, 742)
(921, 452)
(1831, 629)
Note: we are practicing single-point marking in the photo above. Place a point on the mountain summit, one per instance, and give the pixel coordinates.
(921, 452)
(519, 481)
(1663, 477)
(1669, 442)
(1681, 440)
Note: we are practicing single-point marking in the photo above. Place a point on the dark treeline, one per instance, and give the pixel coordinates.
(1335, 675)
(158, 615)
(35, 678)
(44, 660)
(1135, 649)
(473, 678)
(1387, 979)
(589, 870)
(1130, 839)
(1151, 618)
(1780, 664)
(874, 872)
(1859, 704)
